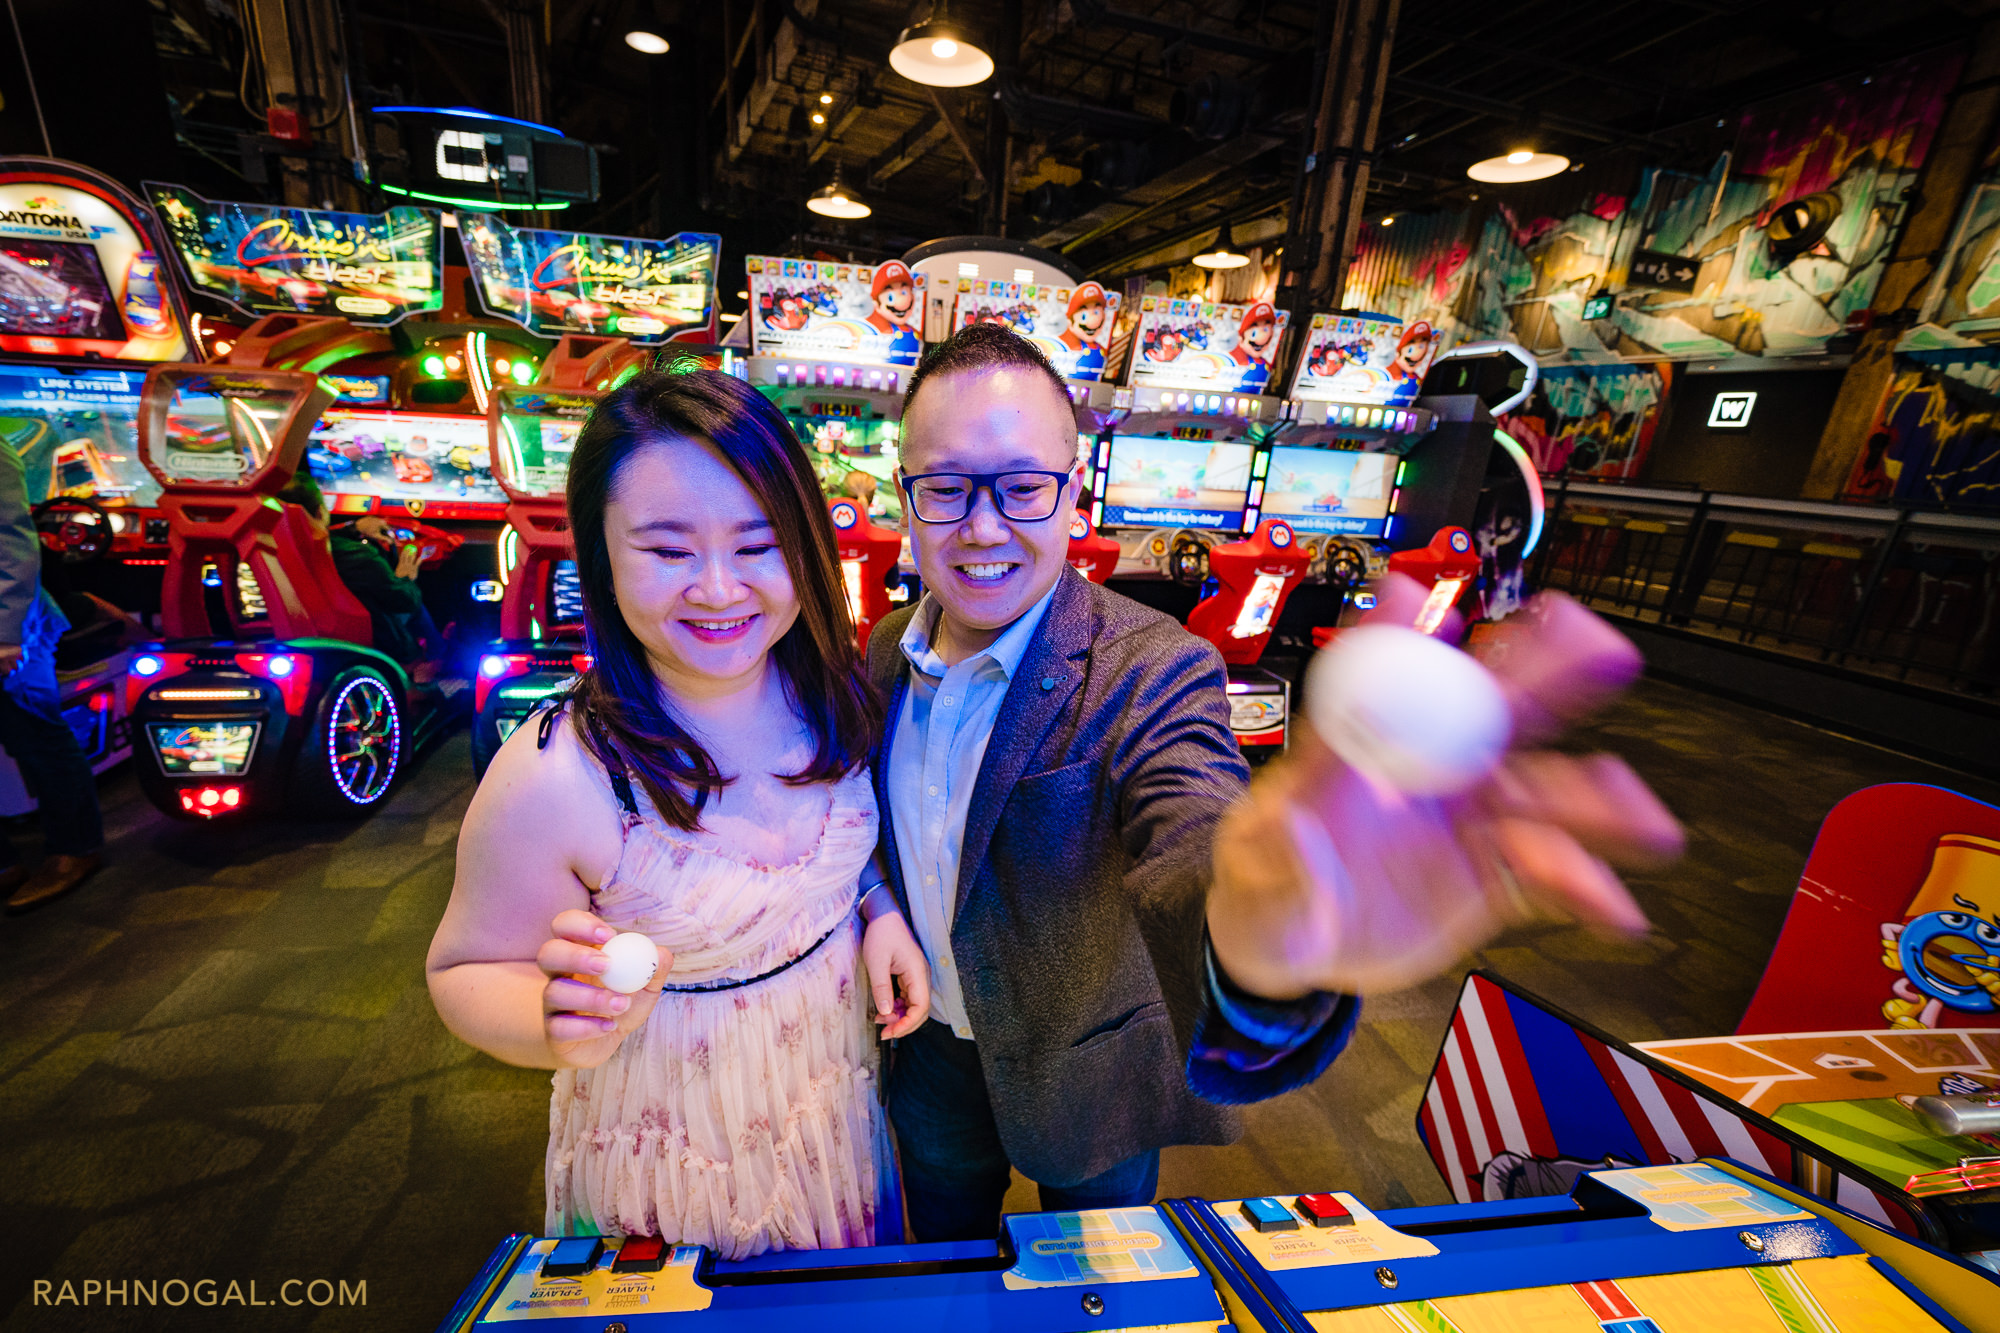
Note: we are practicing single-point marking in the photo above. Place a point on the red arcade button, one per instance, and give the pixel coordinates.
(1323, 1210)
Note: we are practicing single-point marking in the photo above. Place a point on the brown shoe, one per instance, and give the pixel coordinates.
(55, 876)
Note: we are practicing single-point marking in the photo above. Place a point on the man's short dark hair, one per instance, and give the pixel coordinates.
(982, 347)
(304, 492)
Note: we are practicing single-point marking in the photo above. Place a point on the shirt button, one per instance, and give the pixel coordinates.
(933, 791)
(963, 1032)
(947, 700)
(930, 879)
(945, 961)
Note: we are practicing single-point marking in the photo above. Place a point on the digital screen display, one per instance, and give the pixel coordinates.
(220, 427)
(1176, 483)
(76, 432)
(403, 456)
(203, 749)
(1258, 607)
(538, 430)
(1330, 490)
(565, 594)
(56, 289)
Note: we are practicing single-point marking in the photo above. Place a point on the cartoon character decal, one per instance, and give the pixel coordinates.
(1089, 321)
(1256, 339)
(895, 297)
(1413, 357)
(1946, 949)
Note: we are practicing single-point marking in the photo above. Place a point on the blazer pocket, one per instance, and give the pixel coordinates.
(1115, 1028)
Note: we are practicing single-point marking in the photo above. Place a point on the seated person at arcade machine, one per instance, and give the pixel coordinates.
(361, 553)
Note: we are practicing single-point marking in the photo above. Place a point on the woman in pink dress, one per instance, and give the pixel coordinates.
(704, 784)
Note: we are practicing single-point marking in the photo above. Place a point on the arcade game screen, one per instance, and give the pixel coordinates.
(76, 432)
(1331, 490)
(220, 427)
(1183, 483)
(841, 448)
(403, 456)
(56, 289)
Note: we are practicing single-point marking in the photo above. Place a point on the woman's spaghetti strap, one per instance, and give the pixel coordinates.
(551, 708)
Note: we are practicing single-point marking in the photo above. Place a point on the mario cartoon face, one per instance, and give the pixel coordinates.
(1258, 331)
(1947, 947)
(1088, 313)
(895, 294)
(1413, 350)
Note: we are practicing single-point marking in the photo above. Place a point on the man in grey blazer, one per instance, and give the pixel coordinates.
(1124, 937)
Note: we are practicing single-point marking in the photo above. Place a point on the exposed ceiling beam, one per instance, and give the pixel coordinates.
(1092, 12)
(918, 140)
(1198, 170)
(961, 135)
(1499, 109)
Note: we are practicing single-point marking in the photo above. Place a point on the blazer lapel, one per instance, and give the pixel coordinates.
(885, 817)
(1048, 675)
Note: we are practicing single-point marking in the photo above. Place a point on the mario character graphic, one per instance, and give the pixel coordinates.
(1162, 344)
(1088, 320)
(895, 295)
(1946, 949)
(1413, 357)
(1256, 339)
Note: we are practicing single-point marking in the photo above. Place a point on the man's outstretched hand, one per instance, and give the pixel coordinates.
(1326, 880)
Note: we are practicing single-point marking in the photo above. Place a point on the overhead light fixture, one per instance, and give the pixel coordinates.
(1389, 220)
(646, 43)
(1523, 164)
(826, 99)
(819, 118)
(1225, 254)
(833, 201)
(940, 53)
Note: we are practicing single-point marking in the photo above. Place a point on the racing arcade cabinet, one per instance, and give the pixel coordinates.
(276, 701)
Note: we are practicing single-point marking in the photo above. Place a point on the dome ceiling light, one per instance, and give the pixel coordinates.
(1523, 164)
(1225, 254)
(940, 53)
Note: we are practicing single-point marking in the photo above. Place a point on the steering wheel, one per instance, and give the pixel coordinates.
(1344, 566)
(1187, 561)
(75, 530)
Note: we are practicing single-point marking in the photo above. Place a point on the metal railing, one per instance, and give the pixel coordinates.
(1908, 594)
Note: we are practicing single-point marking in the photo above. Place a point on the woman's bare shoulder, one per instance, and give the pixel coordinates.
(546, 790)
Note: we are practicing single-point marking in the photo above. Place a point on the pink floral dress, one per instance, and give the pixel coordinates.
(745, 1119)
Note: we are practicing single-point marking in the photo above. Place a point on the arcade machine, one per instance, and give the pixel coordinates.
(532, 432)
(405, 437)
(276, 701)
(832, 346)
(1658, 1249)
(84, 310)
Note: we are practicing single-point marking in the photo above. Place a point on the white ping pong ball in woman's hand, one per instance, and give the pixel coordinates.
(634, 959)
(1408, 710)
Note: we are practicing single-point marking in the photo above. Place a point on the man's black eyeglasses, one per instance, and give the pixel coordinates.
(946, 497)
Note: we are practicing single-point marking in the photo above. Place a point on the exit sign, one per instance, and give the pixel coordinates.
(1731, 411)
(1598, 307)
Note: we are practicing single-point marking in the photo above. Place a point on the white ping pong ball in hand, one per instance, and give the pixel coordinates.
(1408, 710)
(634, 959)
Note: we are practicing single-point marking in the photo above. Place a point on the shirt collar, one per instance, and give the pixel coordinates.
(1004, 652)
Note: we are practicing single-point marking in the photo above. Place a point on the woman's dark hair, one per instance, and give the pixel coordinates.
(620, 712)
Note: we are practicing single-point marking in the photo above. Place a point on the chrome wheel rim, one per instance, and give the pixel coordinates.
(363, 739)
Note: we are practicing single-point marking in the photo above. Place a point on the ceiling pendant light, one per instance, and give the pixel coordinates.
(1523, 164)
(832, 200)
(1225, 254)
(940, 53)
(646, 43)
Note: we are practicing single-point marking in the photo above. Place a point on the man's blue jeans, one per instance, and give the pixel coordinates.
(955, 1171)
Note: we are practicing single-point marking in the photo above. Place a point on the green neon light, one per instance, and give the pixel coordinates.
(481, 205)
(434, 366)
(527, 691)
(522, 372)
(625, 374)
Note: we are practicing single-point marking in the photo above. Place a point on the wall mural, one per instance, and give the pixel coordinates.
(1592, 421)
(1936, 439)
(1766, 254)
(1962, 307)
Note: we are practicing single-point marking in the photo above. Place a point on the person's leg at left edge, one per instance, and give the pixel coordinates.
(1130, 1184)
(57, 771)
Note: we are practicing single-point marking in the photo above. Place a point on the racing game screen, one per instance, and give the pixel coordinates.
(1176, 483)
(56, 289)
(76, 432)
(1331, 490)
(403, 456)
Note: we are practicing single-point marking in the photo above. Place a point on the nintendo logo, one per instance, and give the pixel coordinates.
(1731, 411)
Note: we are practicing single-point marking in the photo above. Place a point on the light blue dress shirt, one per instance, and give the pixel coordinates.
(946, 719)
